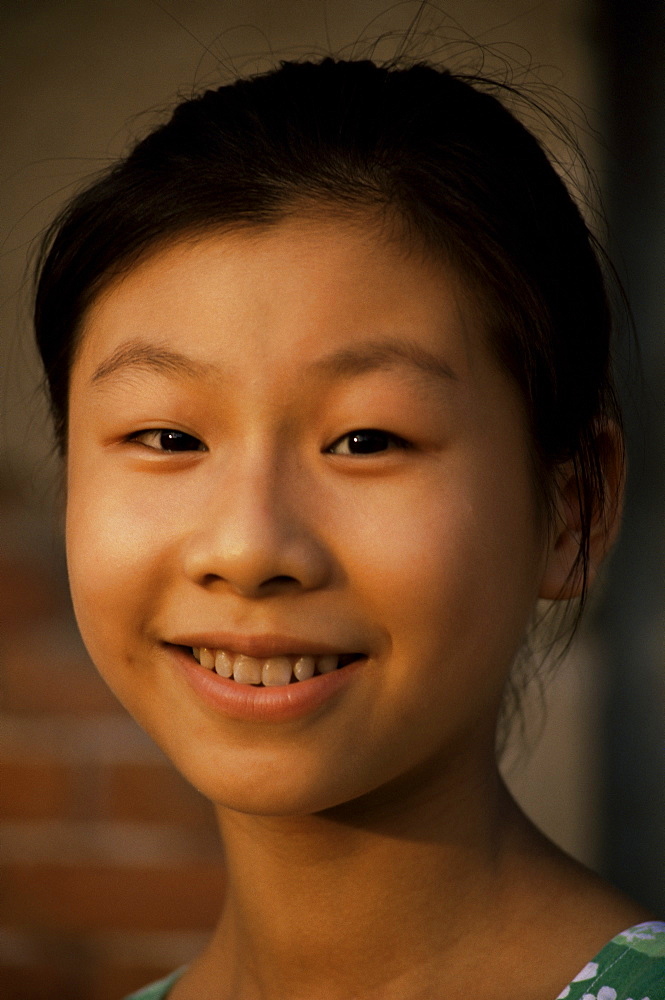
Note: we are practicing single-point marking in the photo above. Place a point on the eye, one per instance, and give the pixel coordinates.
(168, 440)
(367, 441)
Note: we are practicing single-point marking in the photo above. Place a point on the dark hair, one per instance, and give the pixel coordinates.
(441, 156)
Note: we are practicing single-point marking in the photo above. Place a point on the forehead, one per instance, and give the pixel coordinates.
(285, 292)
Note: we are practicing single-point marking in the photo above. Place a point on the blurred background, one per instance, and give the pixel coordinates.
(110, 866)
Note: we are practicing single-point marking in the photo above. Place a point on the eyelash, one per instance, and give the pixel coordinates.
(175, 434)
(360, 436)
(389, 439)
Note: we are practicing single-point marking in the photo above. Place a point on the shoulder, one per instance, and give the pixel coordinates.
(630, 967)
(158, 990)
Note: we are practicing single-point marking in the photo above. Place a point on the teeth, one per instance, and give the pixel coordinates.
(247, 670)
(327, 664)
(303, 668)
(223, 663)
(276, 671)
(273, 671)
(207, 658)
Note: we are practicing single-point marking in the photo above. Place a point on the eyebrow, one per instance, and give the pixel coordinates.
(139, 355)
(365, 357)
(386, 353)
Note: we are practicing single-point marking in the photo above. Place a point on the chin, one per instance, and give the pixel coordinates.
(280, 790)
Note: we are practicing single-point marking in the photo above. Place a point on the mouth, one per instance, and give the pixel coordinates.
(272, 671)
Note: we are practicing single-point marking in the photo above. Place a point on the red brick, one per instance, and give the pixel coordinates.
(85, 898)
(153, 794)
(25, 595)
(40, 674)
(41, 982)
(43, 967)
(34, 790)
(111, 982)
(103, 982)
(59, 966)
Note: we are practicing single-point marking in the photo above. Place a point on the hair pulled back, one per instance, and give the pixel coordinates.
(460, 174)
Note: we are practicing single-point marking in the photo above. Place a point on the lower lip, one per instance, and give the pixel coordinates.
(263, 704)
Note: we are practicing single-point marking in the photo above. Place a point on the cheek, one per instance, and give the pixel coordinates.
(112, 557)
(446, 543)
(451, 570)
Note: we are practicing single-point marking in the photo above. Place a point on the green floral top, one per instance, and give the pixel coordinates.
(630, 967)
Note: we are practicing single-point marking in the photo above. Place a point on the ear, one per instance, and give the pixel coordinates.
(561, 579)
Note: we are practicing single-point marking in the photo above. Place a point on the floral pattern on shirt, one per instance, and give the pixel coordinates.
(630, 967)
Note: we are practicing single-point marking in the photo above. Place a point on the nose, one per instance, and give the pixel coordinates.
(255, 533)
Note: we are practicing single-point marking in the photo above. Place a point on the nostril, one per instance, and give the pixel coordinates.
(279, 579)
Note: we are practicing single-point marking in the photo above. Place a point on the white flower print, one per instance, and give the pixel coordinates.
(588, 972)
(643, 932)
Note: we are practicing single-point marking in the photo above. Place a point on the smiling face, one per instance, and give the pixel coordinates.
(262, 524)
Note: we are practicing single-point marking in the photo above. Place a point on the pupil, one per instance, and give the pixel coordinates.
(363, 442)
(176, 441)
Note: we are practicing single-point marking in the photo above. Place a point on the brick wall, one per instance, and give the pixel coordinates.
(110, 862)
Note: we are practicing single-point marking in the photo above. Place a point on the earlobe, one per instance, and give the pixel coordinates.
(585, 508)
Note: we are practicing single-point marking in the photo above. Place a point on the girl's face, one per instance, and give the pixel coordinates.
(346, 471)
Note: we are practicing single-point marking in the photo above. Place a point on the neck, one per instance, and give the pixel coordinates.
(360, 900)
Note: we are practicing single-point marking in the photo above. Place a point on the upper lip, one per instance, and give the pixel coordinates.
(259, 646)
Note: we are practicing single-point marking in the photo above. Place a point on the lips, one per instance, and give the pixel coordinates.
(245, 696)
(270, 671)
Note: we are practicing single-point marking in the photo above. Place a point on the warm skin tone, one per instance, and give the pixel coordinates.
(371, 848)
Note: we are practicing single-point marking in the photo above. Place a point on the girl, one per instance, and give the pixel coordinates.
(328, 357)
